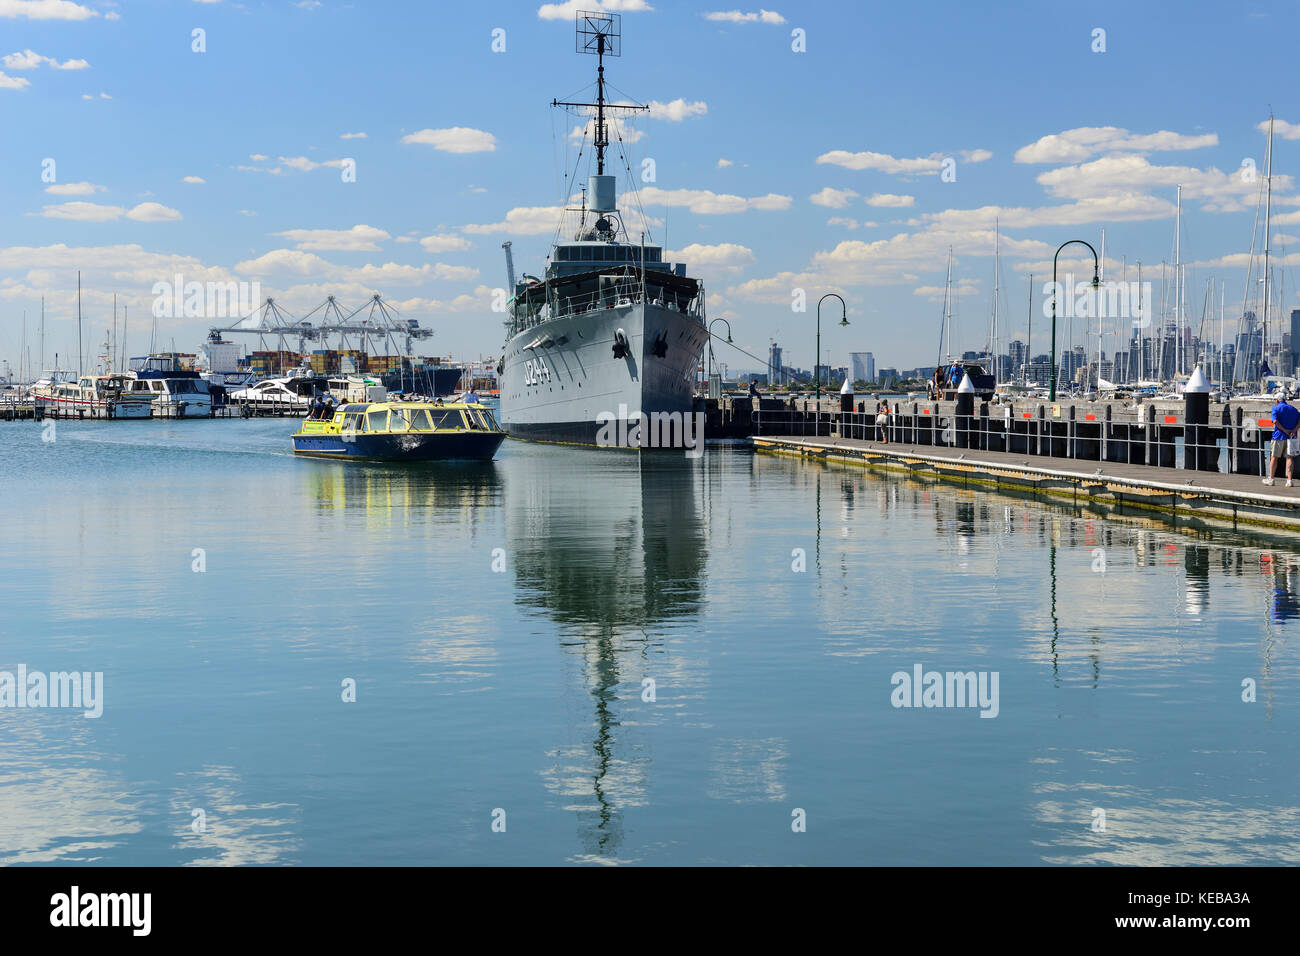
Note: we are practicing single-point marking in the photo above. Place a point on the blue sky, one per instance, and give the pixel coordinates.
(774, 169)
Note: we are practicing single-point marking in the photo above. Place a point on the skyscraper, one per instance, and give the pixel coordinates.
(1295, 338)
(774, 374)
(862, 366)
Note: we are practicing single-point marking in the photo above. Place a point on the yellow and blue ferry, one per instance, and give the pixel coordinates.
(402, 431)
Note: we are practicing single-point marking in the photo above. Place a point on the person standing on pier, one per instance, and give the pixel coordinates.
(1286, 422)
(882, 420)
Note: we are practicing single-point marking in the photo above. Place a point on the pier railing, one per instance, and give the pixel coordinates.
(1232, 439)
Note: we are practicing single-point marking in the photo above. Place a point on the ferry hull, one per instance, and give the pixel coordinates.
(458, 446)
(567, 393)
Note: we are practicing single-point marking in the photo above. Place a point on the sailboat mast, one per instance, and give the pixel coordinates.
(1101, 275)
(1138, 331)
(80, 357)
(997, 252)
(1029, 345)
(947, 303)
(1268, 241)
(1178, 285)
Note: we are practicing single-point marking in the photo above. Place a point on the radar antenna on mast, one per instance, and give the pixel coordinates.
(600, 34)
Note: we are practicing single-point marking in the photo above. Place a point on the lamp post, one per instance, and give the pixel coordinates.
(817, 359)
(709, 372)
(1096, 283)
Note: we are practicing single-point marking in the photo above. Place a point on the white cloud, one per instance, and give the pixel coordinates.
(83, 212)
(975, 155)
(45, 10)
(833, 198)
(13, 82)
(360, 238)
(724, 163)
(677, 110)
(91, 96)
(883, 162)
(96, 212)
(354, 136)
(454, 139)
(285, 261)
(258, 157)
(303, 164)
(1109, 175)
(936, 293)
(844, 221)
(723, 256)
(30, 60)
(74, 189)
(153, 212)
(194, 180)
(1283, 128)
(890, 200)
(1076, 145)
(443, 243)
(297, 262)
(566, 10)
(706, 202)
(736, 16)
(522, 221)
(1119, 207)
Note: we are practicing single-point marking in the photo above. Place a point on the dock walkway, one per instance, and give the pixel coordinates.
(1214, 497)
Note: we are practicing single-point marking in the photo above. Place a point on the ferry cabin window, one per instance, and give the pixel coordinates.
(397, 420)
(420, 420)
(375, 421)
(354, 422)
(483, 419)
(445, 419)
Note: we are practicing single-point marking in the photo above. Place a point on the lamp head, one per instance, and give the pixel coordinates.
(844, 321)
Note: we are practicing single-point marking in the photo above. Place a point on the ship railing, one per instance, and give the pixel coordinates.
(615, 295)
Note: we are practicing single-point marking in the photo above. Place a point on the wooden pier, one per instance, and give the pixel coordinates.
(1196, 497)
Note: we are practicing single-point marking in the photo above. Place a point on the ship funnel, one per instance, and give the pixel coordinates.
(601, 190)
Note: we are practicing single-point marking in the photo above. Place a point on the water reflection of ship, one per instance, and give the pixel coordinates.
(610, 562)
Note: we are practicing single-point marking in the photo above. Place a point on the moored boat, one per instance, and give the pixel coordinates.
(90, 396)
(402, 431)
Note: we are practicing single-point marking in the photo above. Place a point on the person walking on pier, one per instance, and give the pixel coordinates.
(1286, 422)
(882, 421)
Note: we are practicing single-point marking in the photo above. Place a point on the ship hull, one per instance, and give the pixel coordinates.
(571, 390)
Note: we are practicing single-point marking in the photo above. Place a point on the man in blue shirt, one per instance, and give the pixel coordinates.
(1286, 421)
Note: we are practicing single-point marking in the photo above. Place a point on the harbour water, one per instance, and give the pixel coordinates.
(503, 624)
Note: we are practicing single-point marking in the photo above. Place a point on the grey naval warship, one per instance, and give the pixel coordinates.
(611, 332)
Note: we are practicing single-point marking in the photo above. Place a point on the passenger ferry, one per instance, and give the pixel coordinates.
(90, 396)
(402, 431)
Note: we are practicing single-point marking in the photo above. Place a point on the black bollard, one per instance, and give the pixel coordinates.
(965, 411)
(1196, 419)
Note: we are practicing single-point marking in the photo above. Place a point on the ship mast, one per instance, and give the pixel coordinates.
(600, 34)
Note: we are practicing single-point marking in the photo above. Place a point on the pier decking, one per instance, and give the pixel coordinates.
(1213, 497)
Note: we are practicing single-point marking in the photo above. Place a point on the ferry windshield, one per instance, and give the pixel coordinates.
(443, 419)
